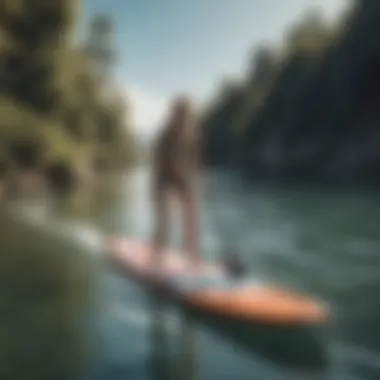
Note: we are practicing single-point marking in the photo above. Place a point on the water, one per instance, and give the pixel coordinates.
(323, 242)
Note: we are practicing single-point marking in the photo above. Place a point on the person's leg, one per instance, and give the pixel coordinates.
(189, 203)
(161, 222)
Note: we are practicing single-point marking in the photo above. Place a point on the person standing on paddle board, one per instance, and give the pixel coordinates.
(175, 164)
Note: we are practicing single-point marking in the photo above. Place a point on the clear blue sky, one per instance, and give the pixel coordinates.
(168, 46)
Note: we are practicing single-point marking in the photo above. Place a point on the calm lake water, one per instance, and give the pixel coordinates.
(321, 241)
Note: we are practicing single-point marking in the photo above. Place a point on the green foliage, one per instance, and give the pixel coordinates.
(309, 36)
(100, 45)
(39, 24)
(44, 298)
(53, 90)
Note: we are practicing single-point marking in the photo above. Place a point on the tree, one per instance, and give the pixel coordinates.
(262, 64)
(100, 46)
(310, 35)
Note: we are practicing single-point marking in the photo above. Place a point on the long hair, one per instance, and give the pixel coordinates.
(179, 131)
(181, 119)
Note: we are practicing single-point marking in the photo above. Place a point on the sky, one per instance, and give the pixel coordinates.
(168, 47)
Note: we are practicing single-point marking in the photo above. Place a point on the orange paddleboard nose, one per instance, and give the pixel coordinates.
(260, 304)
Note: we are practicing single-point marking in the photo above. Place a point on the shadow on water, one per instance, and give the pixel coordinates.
(178, 357)
(294, 348)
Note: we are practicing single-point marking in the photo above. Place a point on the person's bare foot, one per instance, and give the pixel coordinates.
(195, 265)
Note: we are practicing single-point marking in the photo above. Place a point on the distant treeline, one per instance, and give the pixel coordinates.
(308, 111)
(58, 110)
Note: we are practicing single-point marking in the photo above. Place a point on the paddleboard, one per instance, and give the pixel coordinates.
(207, 289)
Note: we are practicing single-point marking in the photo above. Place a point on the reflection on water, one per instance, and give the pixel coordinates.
(164, 363)
(187, 359)
(160, 357)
